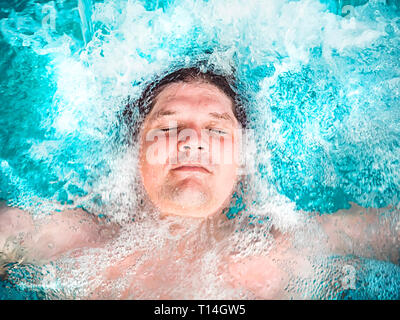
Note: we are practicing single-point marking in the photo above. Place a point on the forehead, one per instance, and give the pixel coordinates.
(196, 97)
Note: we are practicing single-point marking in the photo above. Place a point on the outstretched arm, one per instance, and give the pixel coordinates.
(358, 232)
(23, 239)
(370, 233)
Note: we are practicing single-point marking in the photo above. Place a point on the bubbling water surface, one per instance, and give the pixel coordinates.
(322, 94)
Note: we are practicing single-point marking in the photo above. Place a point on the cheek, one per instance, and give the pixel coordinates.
(154, 156)
(156, 152)
(224, 151)
(226, 178)
(151, 167)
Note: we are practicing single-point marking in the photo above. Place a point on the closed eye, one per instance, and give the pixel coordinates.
(218, 131)
(168, 129)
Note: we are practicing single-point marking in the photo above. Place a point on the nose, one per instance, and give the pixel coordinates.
(191, 140)
(186, 147)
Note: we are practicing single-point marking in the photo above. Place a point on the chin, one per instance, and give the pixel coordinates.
(192, 199)
(188, 198)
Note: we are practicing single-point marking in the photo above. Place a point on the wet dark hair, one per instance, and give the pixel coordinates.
(147, 100)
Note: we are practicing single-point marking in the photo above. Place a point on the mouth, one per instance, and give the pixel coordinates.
(191, 168)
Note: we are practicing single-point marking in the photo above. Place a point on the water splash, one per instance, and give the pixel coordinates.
(322, 89)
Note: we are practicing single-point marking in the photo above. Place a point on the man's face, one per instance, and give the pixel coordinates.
(189, 148)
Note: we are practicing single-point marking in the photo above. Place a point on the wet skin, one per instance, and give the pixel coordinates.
(183, 181)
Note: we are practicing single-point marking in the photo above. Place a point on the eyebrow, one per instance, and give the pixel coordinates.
(221, 116)
(162, 113)
(215, 115)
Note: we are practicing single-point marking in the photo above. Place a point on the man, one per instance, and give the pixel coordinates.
(189, 135)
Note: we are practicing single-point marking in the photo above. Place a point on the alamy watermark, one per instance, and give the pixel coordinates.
(349, 277)
(348, 12)
(49, 17)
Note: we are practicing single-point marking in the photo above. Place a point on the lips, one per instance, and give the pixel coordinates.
(191, 168)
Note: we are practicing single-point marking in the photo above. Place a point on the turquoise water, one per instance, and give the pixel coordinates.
(322, 80)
